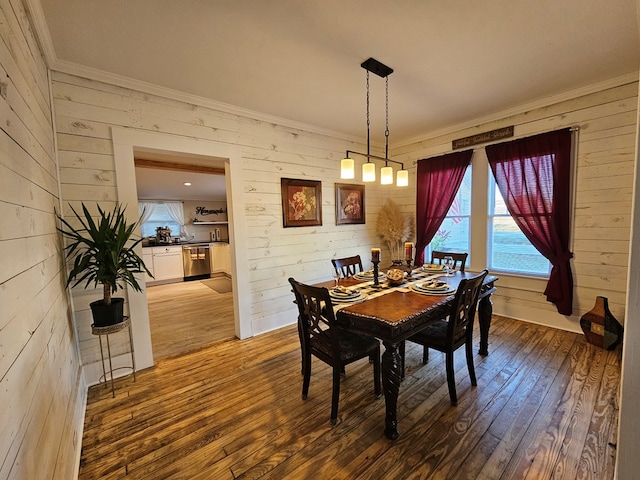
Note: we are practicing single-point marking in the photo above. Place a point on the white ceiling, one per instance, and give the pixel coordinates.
(455, 61)
(156, 184)
(168, 184)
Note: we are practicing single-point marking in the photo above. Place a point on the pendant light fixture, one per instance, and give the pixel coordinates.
(347, 168)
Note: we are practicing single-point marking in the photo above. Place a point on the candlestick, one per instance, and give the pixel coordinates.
(375, 255)
(376, 284)
(409, 262)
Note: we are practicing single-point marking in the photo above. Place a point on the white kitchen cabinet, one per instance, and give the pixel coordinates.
(167, 263)
(220, 258)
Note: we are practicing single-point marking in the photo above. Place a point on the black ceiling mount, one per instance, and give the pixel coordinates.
(374, 66)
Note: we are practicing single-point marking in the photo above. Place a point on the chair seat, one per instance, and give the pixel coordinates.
(351, 345)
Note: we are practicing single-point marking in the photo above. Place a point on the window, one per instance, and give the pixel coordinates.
(454, 233)
(508, 249)
(160, 217)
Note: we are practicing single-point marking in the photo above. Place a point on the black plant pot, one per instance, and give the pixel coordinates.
(105, 315)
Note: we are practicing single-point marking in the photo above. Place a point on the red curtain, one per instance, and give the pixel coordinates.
(534, 177)
(438, 181)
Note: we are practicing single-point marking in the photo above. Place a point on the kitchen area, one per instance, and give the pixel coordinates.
(200, 250)
(185, 246)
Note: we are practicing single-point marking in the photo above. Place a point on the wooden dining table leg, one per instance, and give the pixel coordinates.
(391, 377)
(485, 310)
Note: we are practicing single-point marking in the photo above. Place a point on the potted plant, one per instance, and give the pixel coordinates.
(395, 228)
(104, 254)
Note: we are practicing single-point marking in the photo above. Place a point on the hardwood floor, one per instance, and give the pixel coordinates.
(545, 407)
(186, 316)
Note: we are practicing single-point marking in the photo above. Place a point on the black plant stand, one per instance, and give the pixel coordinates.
(106, 331)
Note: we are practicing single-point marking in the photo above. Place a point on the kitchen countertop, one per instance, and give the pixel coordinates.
(179, 244)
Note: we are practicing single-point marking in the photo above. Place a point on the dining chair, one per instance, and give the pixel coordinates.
(449, 334)
(459, 258)
(322, 338)
(347, 266)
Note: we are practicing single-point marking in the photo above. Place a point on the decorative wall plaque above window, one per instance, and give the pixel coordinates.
(485, 137)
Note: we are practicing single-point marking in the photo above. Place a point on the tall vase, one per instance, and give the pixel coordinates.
(600, 327)
(396, 257)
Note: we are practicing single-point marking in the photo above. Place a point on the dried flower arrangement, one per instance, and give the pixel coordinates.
(395, 227)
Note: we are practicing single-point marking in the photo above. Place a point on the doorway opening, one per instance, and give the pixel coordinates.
(125, 142)
(186, 312)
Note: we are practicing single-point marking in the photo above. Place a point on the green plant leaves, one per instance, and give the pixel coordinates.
(103, 251)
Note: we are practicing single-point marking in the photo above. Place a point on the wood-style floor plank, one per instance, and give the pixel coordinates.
(186, 316)
(545, 407)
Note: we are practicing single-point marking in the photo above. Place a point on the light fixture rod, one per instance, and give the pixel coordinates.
(368, 121)
(386, 122)
(368, 155)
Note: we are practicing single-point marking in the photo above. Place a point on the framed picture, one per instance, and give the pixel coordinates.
(349, 203)
(301, 202)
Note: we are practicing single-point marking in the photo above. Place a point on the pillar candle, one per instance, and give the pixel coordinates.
(408, 251)
(375, 254)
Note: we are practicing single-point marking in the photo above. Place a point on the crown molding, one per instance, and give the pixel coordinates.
(545, 102)
(153, 89)
(41, 30)
(145, 87)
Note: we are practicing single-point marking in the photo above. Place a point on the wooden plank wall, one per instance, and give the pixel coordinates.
(602, 205)
(87, 109)
(42, 394)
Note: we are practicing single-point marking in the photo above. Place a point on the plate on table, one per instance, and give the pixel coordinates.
(340, 297)
(432, 267)
(433, 287)
(342, 293)
(368, 275)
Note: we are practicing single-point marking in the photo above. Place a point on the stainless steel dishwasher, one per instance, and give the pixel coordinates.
(197, 261)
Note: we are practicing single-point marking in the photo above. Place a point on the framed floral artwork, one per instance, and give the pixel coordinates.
(301, 202)
(349, 203)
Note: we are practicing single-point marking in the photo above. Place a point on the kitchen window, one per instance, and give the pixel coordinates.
(157, 215)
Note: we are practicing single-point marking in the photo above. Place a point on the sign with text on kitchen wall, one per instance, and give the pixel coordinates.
(199, 211)
(204, 211)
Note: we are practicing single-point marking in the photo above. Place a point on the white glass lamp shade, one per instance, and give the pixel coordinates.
(386, 176)
(368, 172)
(347, 169)
(402, 178)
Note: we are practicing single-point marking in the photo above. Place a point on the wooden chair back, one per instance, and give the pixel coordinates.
(347, 266)
(462, 313)
(459, 258)
(315, 319)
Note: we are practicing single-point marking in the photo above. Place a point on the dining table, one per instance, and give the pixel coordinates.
(393, 313)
